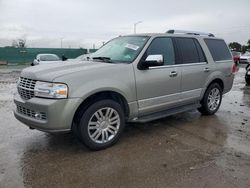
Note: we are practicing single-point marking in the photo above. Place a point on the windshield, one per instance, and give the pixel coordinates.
(122, 49)
(80, 57)
(49, 57)
(84, 57)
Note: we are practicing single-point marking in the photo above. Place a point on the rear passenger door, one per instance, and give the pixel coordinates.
(194, 68)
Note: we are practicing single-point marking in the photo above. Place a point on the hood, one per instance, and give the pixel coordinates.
(245, 57)
(44, 62)
(48, 72)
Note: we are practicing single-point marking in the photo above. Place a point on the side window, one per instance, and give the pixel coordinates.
(189, 50)
(218, 49)
(202, 57)
(162, 46)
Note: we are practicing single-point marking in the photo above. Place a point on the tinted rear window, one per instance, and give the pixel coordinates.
(218, 49)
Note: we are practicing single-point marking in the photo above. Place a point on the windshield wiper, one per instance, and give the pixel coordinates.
(104, 59)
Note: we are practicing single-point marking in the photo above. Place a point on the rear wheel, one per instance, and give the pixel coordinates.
(247, 77)
(101, 124)
(248, 81)
(212, 100)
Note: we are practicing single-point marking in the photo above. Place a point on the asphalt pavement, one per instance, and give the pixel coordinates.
(184, 150)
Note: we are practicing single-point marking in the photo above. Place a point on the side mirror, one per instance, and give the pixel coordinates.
(35, 62)
(153, 61)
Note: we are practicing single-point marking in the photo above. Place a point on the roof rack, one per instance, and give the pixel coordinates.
(172, 31)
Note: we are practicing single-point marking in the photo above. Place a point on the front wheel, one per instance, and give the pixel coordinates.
(212, 100)
(101, 124)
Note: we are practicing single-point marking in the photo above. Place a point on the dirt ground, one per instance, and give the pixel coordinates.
(184, 150)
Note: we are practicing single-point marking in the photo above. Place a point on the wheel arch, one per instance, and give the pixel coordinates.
(215, 80)
(204, 109)
(100, 95)
(218, 81)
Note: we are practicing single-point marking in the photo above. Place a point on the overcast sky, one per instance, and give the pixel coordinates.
(82, 23)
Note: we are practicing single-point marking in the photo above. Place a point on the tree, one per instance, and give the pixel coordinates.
(248, 43)
(19, 43)
(14, 44)
(235, 46)
(245, 48)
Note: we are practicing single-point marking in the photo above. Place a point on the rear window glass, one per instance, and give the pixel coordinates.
(218, 49)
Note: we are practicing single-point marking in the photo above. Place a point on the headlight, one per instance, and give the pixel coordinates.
(51, 90)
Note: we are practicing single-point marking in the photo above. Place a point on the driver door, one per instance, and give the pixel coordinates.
(159, 88)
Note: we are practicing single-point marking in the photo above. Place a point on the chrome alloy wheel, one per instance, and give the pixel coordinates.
(214, 99)
(104, 125)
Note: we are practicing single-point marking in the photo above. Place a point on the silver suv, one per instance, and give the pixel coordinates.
(135, 78)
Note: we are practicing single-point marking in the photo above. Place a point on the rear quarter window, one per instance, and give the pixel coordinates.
(218, 49)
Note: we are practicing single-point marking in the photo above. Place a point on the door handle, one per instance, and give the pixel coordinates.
(173, 74)
(206, 69)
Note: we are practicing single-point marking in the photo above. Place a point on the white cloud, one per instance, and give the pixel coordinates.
(85, 22)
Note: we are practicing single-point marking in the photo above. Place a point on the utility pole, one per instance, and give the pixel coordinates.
(135, 24)
(61, 43)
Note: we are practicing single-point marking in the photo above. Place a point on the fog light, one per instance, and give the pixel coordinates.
(38, 116)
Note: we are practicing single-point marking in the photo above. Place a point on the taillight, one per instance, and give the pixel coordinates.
(235, 68)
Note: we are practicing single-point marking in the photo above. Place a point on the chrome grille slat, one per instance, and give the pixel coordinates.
(26, 87)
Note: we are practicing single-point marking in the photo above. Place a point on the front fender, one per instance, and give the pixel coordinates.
(117, 78)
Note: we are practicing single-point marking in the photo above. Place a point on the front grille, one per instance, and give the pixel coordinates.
(31, 113)
(26, 87)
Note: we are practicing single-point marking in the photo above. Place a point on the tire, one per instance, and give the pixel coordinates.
(76, 131)
(211, 100)
(247, 78)
(102, 124)
(248, 81)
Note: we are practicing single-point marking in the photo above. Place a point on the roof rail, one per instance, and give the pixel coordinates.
(190, 33)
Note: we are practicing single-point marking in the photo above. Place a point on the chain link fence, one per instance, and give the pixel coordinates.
(10, 55)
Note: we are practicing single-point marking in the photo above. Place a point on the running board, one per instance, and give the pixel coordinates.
(165, 113)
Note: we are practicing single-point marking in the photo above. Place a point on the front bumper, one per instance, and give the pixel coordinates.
(244, 61)
(48, 115)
